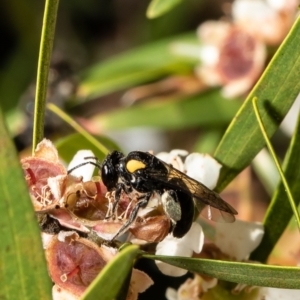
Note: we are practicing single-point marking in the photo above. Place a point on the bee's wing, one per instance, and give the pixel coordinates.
(208, 202)
(211, 213)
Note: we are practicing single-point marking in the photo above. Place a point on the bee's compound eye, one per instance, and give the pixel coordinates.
(134, 165)
(105, 170)
(109, 176)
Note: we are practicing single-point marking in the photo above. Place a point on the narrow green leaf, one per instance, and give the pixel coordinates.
(134, 67)
(270, 147)
(246, 273)
(279, 211)
(77, 127)
(68, 146)
(48, 31)
(157, 8)
(108, 283)
(208, 108)
(277, 89)
(23, 272)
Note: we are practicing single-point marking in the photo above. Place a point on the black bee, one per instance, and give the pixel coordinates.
(146, 174)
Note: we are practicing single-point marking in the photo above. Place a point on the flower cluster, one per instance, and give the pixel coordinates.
(70, 209)
(234, 242)
(75, 215)
(74, 206)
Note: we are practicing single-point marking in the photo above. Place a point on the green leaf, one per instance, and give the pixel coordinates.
(84, 133)
(157, 8)
(208, 108)
(23, 271)
(68, 146)
(278, 166)
(246, 273)
(276, 90)
(279, 211)
(135, 67)
(47, 37)
(110, 281)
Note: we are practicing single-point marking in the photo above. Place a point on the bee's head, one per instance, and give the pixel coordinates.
(110, 169)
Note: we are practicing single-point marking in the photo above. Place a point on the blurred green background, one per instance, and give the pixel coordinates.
(87, 32)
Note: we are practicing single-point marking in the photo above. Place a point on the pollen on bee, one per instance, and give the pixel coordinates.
(133, 165)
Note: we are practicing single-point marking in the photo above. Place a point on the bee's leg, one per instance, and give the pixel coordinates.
(119, 188)
(143, 200)
(171, 205)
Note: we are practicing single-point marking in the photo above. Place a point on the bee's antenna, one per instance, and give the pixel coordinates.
(97, 163)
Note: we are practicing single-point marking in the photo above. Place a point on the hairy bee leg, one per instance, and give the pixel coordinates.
(142, 203)
(127, 209)
(110, 196)
(119, 188)
(123, 215)
(117, 196)
(131, 219)
(171, 205)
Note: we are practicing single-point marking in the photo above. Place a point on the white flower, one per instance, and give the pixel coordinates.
(59, 293)
(268, 21)
(238, 239)
(231, 57)
(87, 169)
(173, 158)
(171, 294)
(232, 54)
(278, 294)
(46, 239)
(139, 283)
(191, 289)
(62, 184)
(201, 167)
(191, 242)
(268, 293)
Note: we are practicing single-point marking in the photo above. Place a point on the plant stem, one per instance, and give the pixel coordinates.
(77, 127)
(46, 45)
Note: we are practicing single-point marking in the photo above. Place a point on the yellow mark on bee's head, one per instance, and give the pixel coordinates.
(133, 165)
